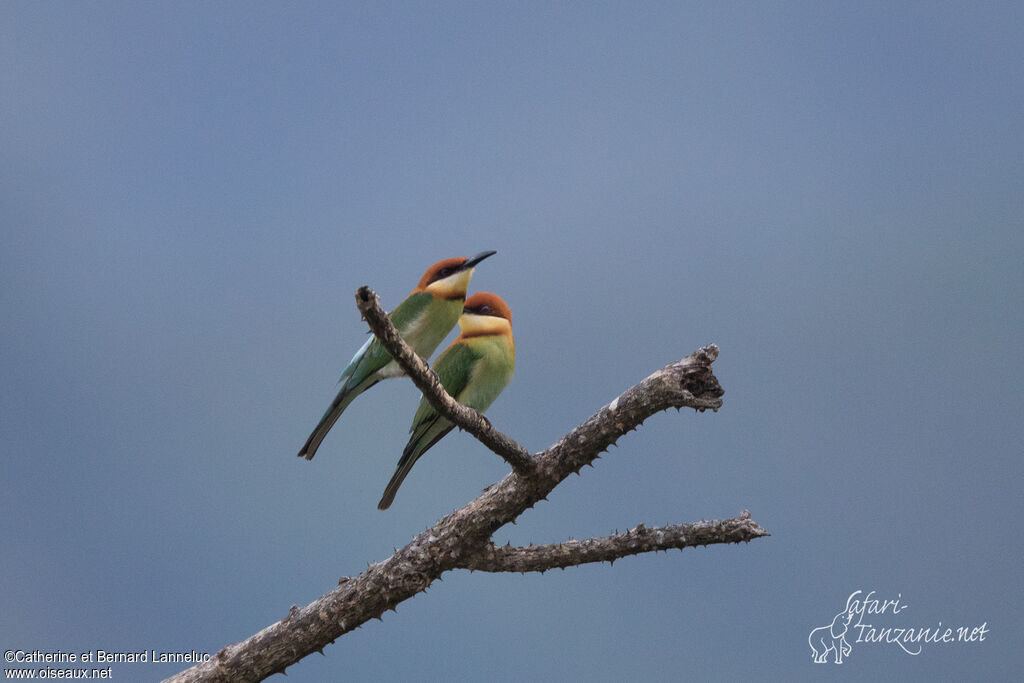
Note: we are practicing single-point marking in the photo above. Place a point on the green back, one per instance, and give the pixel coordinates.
(421, 319)
(473, 372)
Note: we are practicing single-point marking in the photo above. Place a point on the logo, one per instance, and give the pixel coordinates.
(869, 620)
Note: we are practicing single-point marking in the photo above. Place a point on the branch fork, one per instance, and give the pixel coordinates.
(462, 539)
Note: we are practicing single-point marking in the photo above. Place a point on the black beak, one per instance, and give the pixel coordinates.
(471, 262)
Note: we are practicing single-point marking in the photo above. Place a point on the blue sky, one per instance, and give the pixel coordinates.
(192, 192)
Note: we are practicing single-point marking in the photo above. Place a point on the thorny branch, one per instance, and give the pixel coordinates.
(540, 558)
(426, 380)
(463, 538)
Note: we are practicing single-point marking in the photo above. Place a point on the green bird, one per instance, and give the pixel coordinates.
(476, 368)
(423, 319)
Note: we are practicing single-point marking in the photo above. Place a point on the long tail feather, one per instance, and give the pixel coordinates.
(410, 455)
(345, 396)
(404, 467)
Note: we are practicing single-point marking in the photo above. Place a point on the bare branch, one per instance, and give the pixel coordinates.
(462, 539)
(427, 381)
(540, 558)
(685, 383)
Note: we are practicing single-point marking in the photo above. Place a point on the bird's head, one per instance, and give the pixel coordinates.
(449, 279)
(485, 313)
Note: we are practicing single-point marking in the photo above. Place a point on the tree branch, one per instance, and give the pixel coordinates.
(462, 539)
(540, 558)
(426, 380)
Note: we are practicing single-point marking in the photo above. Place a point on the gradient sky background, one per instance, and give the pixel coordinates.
(191, 193)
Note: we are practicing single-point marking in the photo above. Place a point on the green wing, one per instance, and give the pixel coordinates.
(454, 367)
(361, 373)
(372, 356)
(411, 307)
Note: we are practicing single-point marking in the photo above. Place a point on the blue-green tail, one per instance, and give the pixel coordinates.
(345, 396)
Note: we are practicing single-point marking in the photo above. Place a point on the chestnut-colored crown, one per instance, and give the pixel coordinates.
(487, 303)
(440, 271)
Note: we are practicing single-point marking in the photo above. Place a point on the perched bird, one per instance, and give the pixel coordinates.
(423, 319)
(473, 370)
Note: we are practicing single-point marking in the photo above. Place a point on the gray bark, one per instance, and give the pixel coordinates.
(462, 540)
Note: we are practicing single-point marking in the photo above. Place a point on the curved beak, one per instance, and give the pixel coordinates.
(472, 261)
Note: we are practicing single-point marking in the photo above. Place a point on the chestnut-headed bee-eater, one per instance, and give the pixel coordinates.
(423, 319)
(476, 368)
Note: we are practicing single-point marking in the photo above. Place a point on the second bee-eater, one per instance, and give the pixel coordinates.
(423, 319)
(476, 368)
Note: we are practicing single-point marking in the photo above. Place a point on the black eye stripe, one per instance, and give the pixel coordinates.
(443, 273)
(481, 309)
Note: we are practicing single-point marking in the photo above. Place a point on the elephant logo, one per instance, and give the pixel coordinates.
(832, 638)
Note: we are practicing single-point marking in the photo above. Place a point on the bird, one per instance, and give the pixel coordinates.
(474, 369)
(424, 319)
